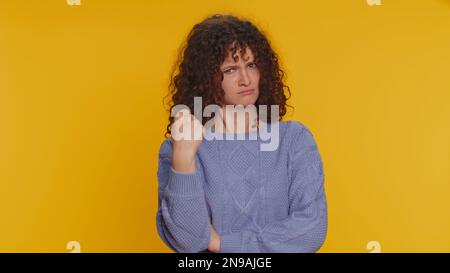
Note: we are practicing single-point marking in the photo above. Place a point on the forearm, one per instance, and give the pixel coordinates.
(184, 212)
(183, 161)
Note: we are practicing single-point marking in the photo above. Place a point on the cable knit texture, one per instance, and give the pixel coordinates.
(257, 201)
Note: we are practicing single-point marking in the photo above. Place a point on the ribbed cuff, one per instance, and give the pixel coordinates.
(185, 183)
(231, 243)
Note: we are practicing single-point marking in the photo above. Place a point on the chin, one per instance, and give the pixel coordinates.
(246, 101)
(249, 102)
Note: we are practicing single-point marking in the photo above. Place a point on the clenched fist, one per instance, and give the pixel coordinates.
(187, 135)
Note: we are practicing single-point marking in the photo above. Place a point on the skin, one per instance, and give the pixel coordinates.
(238, 76)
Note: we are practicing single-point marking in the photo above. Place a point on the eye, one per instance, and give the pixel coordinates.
(229, 70)
(252, 65)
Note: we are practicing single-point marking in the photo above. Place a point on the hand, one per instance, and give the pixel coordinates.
(214, 243)
(187, 135)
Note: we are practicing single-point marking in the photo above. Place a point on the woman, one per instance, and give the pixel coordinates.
(222, 195)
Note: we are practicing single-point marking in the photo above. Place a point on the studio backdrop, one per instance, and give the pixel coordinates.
(82, 116)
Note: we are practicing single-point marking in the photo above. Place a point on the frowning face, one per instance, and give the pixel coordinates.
(240, 78)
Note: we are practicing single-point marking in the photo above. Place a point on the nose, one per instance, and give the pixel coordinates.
(244, 78)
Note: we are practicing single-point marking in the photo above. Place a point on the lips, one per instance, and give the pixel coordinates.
(246, 92)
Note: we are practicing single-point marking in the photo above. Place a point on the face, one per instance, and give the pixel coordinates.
(240, 78)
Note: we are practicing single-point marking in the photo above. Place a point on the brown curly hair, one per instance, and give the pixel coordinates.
(197, 73)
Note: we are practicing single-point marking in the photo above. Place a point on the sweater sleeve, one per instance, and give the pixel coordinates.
(182, 219)
(305, 228)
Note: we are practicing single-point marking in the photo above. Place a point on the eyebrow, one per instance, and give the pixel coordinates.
(233, 65)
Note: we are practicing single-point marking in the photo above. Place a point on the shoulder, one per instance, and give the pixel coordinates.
(293, 128)
(165, 149)
(296, 133)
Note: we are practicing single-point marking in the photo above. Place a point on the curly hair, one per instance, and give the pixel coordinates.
(197, 73)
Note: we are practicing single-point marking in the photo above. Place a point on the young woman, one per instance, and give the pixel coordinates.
(229, 195)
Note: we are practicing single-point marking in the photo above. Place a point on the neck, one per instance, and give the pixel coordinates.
(236, 120)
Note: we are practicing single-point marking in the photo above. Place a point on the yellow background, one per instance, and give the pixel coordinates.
(81, 116)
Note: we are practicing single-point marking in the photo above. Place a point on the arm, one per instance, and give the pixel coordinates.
(182, 217)
(304, 230)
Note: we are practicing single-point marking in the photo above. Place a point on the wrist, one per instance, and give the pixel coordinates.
(183, 162)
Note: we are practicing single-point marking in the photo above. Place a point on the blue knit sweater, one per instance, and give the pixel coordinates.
(257, 201)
